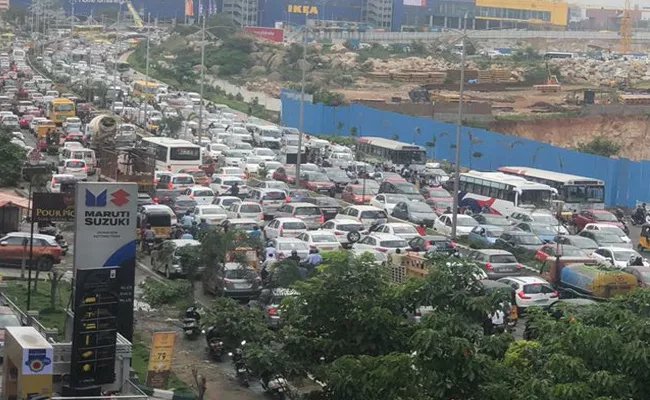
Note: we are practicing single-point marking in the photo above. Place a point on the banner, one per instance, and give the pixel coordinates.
(272, 34)
(189, 8)
(160, 359)
(53, 207)
(417, 3)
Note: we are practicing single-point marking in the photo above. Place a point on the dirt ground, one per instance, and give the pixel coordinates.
(191, 354)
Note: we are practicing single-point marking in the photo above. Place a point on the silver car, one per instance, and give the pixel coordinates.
(309, 213)
(285, 246)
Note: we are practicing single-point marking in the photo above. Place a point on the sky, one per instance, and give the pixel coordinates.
(608, 3)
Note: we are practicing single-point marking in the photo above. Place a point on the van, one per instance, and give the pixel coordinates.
(175, 181)
(309, 213)
(74, 167)
(76, 153)
(270, 199)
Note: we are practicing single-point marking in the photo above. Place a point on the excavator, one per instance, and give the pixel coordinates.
(552, 84)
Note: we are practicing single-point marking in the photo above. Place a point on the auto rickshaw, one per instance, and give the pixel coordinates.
(53, 139)
(644, 238)
(42, 130)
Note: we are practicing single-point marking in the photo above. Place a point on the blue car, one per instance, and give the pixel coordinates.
(485, 235)
(543, 231)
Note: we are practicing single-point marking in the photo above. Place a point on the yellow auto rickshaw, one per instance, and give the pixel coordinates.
(43, 129)
(644, 238)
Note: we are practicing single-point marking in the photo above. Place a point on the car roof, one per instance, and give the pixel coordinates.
(435, 237)
(365, 208)
(302, 204)
(27, 234)
(242, 221)
(176, 175)
(289, 219)
(385, 236)
(395, 224)
(287, 240)
(493, 251)
(154, 207)
(520, 233)
(528, 279)
(198, 187)
(183, 197)
(614, 248)
(345, 221)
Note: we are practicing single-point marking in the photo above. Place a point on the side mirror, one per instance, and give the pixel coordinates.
(3, 243)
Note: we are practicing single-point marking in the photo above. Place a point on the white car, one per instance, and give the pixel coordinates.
(201, 194)
(380, 257)
(211, 213)
(285, 246)
(246, 210)
(531, 291)
(322, 240)
(18, 135)
(233, 171)
(10, 121)
(264, 153)
(401, 229)
(77, 168)
(608, 228)
(464, 225)
(54, 185)
(284, 227)
(387, 201)
(384, 242)
(618, 257)
(225, 201)
(367, 215)
(547, 218)
(341, 228)
(222, 185)
(251, 164)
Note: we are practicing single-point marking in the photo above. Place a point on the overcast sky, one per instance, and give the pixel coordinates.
(608, 3)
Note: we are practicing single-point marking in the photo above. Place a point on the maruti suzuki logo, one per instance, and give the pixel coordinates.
(119, 198)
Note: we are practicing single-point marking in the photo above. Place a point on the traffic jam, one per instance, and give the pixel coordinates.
(540, 233)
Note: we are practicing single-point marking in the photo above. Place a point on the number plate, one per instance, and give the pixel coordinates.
(242, 286)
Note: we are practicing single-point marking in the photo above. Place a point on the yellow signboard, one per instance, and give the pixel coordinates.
(302, 9)
(160, 359)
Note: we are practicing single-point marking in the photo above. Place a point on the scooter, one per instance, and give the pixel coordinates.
(147, 245)
(191, 327)
(276, 386)
(241, 369)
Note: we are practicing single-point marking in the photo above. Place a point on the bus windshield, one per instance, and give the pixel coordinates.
(538, 198)
(63, 107)
(584, 193)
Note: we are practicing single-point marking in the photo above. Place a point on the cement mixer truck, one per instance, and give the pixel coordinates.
(101, 130)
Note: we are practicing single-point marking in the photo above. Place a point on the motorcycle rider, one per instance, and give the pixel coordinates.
(640, 213)
(203, 226)
(177, 233)
(269, 251)
(313, 260)
(148, 238)
(294, 257)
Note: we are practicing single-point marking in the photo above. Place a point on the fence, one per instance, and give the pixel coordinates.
(626, 181)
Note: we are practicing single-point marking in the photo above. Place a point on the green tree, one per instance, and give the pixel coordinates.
(12, 159)
(190, 261)
(354, 131)
(600, 146)
(171, 125)
(237, 322)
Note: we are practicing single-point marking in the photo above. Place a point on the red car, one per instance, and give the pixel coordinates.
(434, 191)
(354, 194)
(317, 182)
(550, 251)
(25, 120)
(200, 177)
(285, 174)
(596, 217)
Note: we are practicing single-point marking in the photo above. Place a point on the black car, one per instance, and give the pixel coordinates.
(519, 240)
(328, 206)
(144, 199)
(437, 244)
(338, 176)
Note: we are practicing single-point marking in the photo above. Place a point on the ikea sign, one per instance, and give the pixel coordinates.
(302, 9)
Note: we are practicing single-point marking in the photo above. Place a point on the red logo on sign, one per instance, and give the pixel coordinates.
(272, 34)
(120, 198)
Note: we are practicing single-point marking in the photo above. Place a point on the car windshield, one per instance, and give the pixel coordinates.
(212, 211)
(503, 259)
(466, 221)
(232, 182)
(254, 160)
(250, 208)
(323, 238)
(609, 217)
(527, 239)
(307, 211)
(571, 251)
(350, 227)
(438, 203)
(318, 177)
(337, 174)
(265, 152)
(245, 226)
(369, 190)
(438, 192)
(583, 243)
(545, 219)
(404, 229)
(393, 243)
(621, 255)
(538, 288)
(75, 164)
(274, 196)
(185, 203)
(543, 230)
(9, 320)
(406, 188)
(294, 225)
(417, 207)
(373, 214)
(607, 237)
(496, 220)
(612, 229)
(293, 246)
(183, 180)
(240, 273)
(203, 193)
(395, 199)
(493, 233)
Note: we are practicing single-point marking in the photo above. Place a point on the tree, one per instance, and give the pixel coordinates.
(172, 125)
(190, 262)
(237, 322)
(339, 127)
(12, 159)
(600, 146)
(353, 131)
(55, 275)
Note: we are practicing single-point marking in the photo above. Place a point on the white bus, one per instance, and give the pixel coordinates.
(501, 194)
(577, 192)
(398, 153)
(557, 54)
(174, 154)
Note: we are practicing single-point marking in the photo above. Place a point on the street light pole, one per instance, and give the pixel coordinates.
(202, 79)
(146, 70)
(301, 123)
(115, 55)
(454, 215)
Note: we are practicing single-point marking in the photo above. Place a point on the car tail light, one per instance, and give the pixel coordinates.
(282, 231)
(555, 294)
(489, 267)
(321, 219)
(523, 296)
(519, 267)
(287, 199)
(262, 216)
(338, 233)
(382, 249)
(155, 200)
(192, 195)
(170, 187)
(273, 311)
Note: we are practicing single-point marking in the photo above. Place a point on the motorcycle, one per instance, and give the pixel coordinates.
(241, 369)
(276, 386)
(52, 230)
(147, 245)
(191, 327)
(215, 345)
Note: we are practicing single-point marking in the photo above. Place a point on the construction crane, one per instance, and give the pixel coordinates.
(626, 28)
(136, 17)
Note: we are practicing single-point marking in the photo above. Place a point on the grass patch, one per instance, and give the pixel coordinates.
(140, 363)
(17, 292)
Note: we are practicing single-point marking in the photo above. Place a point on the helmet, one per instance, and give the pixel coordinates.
(270, 243)
(294, 252)
(148, 226)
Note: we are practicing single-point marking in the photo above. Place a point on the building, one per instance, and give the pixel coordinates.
(243, 12)
(607, 19)
(4, 4)
(301, 12)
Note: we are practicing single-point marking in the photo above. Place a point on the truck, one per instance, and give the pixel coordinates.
(585, 278)
(101, 130)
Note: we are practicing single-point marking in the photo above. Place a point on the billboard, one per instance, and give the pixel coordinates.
(417, 3)
(53, 207)
(272, 34)
(160, 359)
(298, 12)
(105, 237)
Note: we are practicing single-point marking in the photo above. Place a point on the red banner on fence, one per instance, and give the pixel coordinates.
(272, 34)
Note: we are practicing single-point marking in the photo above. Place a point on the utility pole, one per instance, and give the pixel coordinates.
(146, 71)
(202, 78)
(301, 124)
(459, 127)
(115, 55)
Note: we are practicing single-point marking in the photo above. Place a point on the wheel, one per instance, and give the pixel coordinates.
(353, 237)
(44, 264)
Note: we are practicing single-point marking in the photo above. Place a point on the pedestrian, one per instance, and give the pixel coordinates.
(187, 220)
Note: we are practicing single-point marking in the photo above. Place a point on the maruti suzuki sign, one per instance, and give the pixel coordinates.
(105, 224)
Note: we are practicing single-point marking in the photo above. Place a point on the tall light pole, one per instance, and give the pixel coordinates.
(146, 70)
(459, 127)
(115, 55)
(202, 78)
(301, 123)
